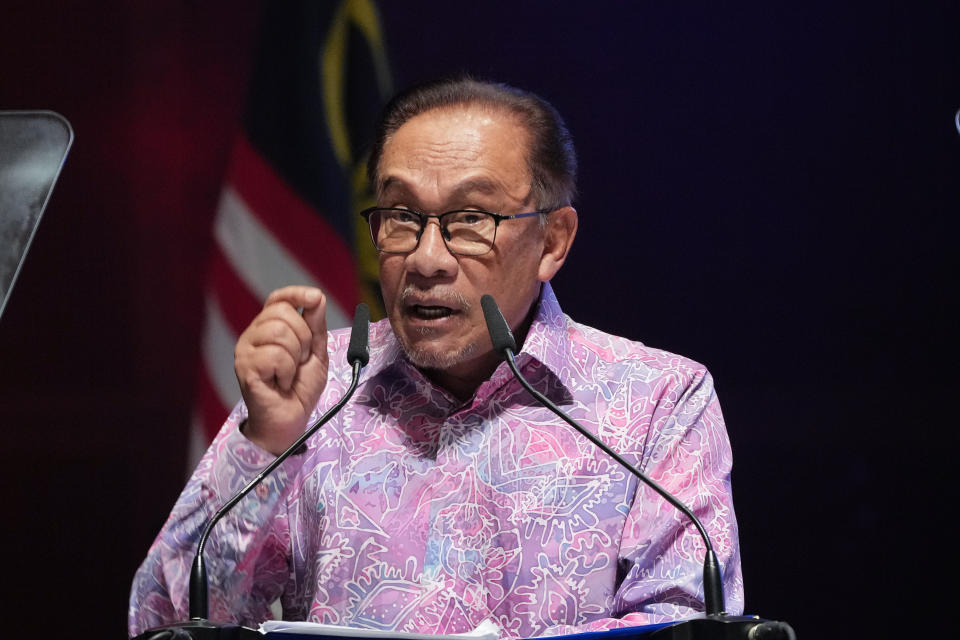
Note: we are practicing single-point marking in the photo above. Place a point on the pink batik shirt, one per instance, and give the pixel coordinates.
(413, 511)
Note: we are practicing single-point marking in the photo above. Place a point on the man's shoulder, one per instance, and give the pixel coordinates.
(590, 344)
(597, 353)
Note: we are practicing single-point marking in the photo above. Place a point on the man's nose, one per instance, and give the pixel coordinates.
(431, 257)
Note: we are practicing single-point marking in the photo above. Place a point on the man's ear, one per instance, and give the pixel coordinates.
(558, 237)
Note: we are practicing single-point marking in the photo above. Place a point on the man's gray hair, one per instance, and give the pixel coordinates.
(551, 160)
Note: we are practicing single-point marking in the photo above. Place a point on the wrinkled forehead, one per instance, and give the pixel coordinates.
(454, 139)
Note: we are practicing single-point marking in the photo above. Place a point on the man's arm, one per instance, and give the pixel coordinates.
(687, 452)
(247, 553)
(281, 365)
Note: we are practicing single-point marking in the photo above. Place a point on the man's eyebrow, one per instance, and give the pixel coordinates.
(390, 183)
(396, 188)
(475, 185)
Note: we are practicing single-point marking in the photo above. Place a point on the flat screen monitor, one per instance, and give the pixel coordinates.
(33, 148)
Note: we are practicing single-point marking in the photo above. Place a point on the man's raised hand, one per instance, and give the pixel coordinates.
(281, 364)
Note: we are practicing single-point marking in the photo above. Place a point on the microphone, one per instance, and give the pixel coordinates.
(500, 334)
(358, 354)
(359, 348)
(504, 342)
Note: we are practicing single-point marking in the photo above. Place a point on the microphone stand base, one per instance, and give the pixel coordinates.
(721, 627)
(200, 630)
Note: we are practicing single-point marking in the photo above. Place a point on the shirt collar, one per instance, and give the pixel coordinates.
(547, 335)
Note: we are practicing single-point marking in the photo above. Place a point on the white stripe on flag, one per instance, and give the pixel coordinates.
(218, 342)
(259, 260)
(197, 446)
(262, 264)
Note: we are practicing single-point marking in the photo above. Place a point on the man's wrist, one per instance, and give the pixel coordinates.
(250, 433)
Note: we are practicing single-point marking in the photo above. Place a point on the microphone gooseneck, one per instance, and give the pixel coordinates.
(504, 342)
(358, 354)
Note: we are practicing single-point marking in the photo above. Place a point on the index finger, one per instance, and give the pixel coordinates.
(299, 296)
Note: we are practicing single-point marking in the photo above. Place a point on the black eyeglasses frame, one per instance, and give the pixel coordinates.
(425, 219)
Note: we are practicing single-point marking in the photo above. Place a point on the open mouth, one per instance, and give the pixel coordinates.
(429, 312)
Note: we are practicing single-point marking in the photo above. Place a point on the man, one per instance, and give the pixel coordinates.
(443, 494)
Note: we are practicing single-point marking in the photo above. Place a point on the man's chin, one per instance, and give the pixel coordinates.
(433, 347)
(433, 356)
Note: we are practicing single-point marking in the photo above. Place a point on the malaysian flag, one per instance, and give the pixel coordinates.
(287, 213)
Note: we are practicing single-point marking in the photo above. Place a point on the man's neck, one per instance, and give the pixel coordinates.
(462, 380)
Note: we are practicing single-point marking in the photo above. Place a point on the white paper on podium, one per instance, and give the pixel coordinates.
(486, 630)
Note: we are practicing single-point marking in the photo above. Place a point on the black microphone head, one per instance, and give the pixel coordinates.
(359, 349)
(500, 334)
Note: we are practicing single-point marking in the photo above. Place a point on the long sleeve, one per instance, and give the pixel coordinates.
(414, 511)
(247, 552)
(687, 451)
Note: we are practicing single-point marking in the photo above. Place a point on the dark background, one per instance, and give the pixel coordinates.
(768, 189)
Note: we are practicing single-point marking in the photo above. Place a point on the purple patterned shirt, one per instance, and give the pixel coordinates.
(412, 511)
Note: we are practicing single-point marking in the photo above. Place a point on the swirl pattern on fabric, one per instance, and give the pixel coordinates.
(412, 511)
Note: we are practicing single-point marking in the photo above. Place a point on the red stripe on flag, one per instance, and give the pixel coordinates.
(314, 243)
(211, 410)
(237, 303)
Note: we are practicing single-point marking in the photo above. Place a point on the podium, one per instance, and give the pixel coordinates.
(702, 628)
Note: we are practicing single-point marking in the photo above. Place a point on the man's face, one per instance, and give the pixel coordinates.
(457, 158)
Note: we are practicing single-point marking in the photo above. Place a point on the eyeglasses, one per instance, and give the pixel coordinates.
(466, 232)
